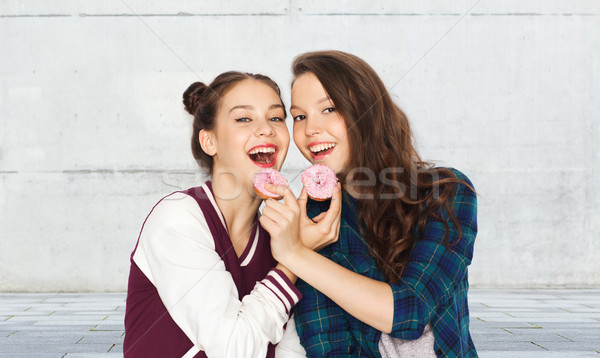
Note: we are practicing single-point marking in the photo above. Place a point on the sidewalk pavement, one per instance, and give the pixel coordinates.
(504, 323)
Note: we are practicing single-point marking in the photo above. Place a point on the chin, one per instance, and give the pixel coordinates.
(333, 164)
(309, 157)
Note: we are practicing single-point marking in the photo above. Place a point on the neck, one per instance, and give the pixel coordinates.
(236, 202)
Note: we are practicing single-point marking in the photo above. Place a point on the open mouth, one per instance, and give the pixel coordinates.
(321, 150)
(263, 156)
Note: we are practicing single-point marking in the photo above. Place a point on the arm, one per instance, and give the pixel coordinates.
(429, 278)
(176, 252)
(368, 300)
(289, 346)
(322, 325)
(434, 273)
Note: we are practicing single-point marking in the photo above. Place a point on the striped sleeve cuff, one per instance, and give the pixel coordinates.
(409, 318)
(283, 288)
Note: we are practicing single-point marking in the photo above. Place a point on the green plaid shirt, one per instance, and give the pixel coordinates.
(433, 288)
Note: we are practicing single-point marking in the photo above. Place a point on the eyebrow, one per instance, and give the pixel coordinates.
(251, 108)
(241, 106)
(324, 99)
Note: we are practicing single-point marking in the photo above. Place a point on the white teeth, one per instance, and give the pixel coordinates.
(262, 150)
(320, 147)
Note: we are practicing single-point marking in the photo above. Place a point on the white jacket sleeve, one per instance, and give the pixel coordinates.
(289, 346)
(176, 252)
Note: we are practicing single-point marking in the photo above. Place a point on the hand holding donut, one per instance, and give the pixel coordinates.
(324, 228)
(281, 221)
(320, 183)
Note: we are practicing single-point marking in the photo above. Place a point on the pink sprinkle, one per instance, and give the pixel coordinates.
(319, 181)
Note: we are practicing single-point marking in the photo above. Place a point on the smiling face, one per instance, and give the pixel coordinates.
(319, 131)
(250, 131)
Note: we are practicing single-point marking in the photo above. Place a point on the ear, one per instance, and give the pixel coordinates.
(207, 143)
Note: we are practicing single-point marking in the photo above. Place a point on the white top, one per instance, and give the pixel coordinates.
(176, 252)
(421, 347)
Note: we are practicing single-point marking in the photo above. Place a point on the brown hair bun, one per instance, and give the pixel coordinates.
(192, 97)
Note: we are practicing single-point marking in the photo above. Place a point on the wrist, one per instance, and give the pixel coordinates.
(290, 275)
(295, 258)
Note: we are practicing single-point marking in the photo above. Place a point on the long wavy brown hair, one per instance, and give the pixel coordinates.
(403, 191)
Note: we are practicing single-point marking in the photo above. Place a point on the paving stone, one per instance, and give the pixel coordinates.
(90, 316)
(15, 325)
(571, 325)
(504, 323)
(117, 348)
(114, 317)
(571, 346)
(507, 346)
(32, 355)
(500, 325)
(56, 348)
(498, 336)
(13, 313)
(92, 338)
(94, 355)
(16, 306)
(539, 336)
(540, 320)
(529, 354)
(26, 318)
(578, 335)
(91, 324)
(56, 339)
(109, 327)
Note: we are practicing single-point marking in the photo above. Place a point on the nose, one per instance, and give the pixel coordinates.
(264, 129)
(312, 127)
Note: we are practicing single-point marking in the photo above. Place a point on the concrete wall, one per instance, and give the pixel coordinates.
(92, 130)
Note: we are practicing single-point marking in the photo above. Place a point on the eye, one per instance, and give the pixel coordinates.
(299, 117)
(329, 110)
(242, 119)
(276, 119)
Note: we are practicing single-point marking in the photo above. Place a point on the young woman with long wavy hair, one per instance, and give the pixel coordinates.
(395, 281)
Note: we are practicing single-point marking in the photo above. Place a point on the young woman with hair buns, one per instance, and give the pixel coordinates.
(395, 282)
(203, 282)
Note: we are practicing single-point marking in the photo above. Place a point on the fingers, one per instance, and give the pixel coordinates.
(267, 223)
(319, 217)
(335, 207)
(278, 206)
(272, 221)
(279, 212)
(285, 191)
(275, 210)
(277, 189)
(302, 202)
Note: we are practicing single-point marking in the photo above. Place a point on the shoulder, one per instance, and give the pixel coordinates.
(176, 208)
(176, 215)
(464, 200)
(464, 190)
(173, 230)
(459, 175)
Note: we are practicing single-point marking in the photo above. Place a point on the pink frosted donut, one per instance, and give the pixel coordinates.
(270, 176)
(319, 181)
